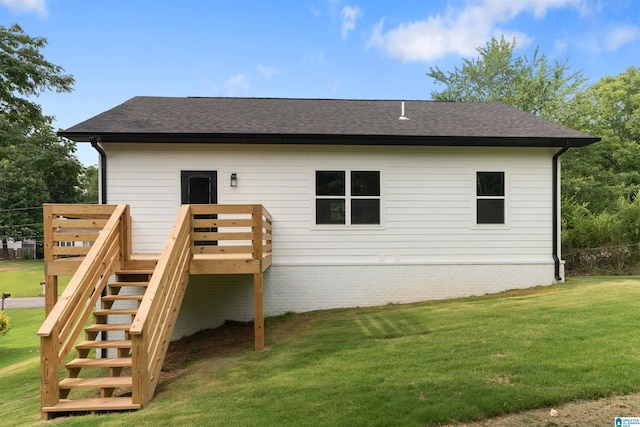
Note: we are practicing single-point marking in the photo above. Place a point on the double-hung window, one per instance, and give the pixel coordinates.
(490, 198)
(348, 197)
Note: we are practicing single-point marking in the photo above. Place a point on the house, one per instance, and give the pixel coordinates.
(371, 201)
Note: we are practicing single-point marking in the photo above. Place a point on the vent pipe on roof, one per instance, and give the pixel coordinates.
(402, 116)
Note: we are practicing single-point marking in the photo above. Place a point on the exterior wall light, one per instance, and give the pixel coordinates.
(234, 180)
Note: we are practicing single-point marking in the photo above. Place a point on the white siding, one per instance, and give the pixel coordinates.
(427, 208)
(428, 199)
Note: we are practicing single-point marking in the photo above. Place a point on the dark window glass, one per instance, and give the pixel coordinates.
(365, 183)
(490, 183)
(199, 190)
(365, 211)
(330, 183)
(490, 211)
(330, 211)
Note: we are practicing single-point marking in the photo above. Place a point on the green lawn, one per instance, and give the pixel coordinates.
(22, 278)
(422, 364)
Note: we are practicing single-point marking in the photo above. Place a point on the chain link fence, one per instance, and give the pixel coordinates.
(604, 261)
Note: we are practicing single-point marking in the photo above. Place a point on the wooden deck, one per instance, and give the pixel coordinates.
(93, 243)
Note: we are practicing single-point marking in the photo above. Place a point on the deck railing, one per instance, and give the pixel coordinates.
(153, 325)
(205, 239)
(209, 239)
(68, 316)
(69, 234)
(228, 239)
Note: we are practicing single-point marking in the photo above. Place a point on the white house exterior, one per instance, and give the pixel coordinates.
(365, 212)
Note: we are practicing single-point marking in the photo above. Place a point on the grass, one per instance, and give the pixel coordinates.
(422, 364)
(22, 278)
(20, 368)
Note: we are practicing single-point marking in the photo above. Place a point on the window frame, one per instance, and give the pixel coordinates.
(505, 197)
(348, 199)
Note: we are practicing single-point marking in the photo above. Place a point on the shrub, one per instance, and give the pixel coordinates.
(5, 326)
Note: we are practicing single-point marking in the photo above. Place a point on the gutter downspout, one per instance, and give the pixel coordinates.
(103, 200)
(556, 225)
(103, 169)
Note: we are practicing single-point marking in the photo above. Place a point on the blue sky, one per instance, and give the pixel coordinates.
(354, 49)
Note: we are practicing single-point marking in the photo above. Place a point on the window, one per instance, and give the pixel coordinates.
(347, 197)
(490, 198)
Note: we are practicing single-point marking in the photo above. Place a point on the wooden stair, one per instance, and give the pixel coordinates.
(103, 360)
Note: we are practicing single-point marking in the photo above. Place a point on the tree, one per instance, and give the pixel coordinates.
(600, 174)
(497, 75)
(36, 166)
(25, 72)
(89, 185)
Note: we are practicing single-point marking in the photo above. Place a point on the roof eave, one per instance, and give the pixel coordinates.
(329, 139)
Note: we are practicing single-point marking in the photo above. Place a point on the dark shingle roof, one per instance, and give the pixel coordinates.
(274, 120)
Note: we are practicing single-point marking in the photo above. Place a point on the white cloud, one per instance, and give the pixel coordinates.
(267, 71)
(349, 16)
(620, 36)
(25, 6)
(233, 85)
(460, 30)
(316, 57)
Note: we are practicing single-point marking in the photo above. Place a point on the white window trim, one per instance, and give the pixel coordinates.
(506, 197)
(348, 198)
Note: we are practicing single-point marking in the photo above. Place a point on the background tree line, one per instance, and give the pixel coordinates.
(36, 166)
(600, 182)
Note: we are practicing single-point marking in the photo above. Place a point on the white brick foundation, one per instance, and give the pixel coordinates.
(210, 300)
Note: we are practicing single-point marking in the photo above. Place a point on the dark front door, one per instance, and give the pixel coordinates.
(198, 188)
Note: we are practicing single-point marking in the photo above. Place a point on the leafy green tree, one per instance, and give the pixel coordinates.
(25, 72)
(599, 175)
(529, 84)
(35, 165)
(89, 185)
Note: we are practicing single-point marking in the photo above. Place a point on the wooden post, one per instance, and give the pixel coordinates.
(50, 281)
(125, 237)
(49, 367)
(50, 293)
(258, 312)
(140, 370)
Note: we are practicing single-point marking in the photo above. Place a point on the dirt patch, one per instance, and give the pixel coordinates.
(6, 266)
(230, 338)
(600, 412)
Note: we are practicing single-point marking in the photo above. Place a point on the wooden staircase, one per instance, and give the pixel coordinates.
(117, 366)
(103, 360)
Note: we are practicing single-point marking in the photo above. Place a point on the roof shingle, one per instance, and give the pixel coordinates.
(217, 119)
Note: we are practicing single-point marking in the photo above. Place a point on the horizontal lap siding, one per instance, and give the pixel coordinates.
(428, 199)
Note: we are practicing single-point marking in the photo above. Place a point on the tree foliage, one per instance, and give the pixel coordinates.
(24, 72)
(36, 166)
(498, 75)
(599, 175)
(89, 185)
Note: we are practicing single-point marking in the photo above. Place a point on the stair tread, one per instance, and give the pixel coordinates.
(104, 344)
(93, 404)
(134, 271)
(122, 297)
(101, 382)
(115, 311)
(122, 284)
(107, 362)
(108, 327)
